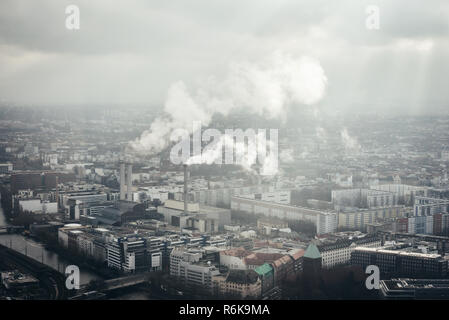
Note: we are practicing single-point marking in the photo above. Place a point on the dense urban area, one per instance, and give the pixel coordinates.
(351, 191)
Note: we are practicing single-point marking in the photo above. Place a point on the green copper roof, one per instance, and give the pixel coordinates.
(312, 252)
(263, 269)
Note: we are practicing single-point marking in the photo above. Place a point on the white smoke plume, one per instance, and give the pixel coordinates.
(350, 143)
(321, 135)
(286, 156)
(265, 88)
(246, 154)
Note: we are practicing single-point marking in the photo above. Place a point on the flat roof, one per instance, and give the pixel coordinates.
(399, 252)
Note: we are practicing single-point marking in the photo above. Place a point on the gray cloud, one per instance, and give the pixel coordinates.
(132, 51)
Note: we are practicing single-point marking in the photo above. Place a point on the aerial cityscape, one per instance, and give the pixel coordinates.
(284, 156)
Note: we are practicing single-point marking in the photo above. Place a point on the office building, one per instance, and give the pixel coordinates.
(400, 262)
(128, 254)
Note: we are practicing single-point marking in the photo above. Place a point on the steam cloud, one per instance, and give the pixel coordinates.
(350, 143)
(286, 156)
(265, 88)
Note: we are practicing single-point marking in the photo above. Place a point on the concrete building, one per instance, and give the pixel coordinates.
(42, 179)
(403, 192)
(265, 226)
(325, 221)
(77, 204)
(405, 288)
(206, 217)
(128, 254)
(189, 268)
(243, 284)
(360, 218)
(363, 198)
(400, 262)
(426, 206)
(222, 196)
(6, 168)
(119, 213)
(37, 206)
(339, 252)
(278, 196)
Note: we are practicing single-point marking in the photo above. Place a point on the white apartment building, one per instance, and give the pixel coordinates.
(339, 253)
(325, 221)
(401, 190)
(222, 196)
(279, 196)
(425, 206)
(363, 198)
(187, 266)
(128, 254)
(179, 255)
(359, 218)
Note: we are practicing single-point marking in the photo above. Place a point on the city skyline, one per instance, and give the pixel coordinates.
(224, 155)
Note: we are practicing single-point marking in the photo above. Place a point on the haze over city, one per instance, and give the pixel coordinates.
(236, 151)
(132, 52)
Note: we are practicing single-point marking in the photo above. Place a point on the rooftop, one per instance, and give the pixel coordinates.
(242, 276)
(264, 269)
(312, 252)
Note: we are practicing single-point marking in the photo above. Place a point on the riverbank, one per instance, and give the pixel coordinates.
(81, 262)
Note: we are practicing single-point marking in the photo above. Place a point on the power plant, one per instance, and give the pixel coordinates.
(126, 179)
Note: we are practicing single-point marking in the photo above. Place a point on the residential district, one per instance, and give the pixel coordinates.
(141, 224)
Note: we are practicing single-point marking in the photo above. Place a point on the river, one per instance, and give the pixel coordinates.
(2, 218)
(36, 251)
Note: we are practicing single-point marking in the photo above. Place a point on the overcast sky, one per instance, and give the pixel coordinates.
(131, 51)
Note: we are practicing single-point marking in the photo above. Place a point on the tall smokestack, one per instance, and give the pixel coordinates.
(57, 194)
(122, 181)
(185, 189)
(130, 182)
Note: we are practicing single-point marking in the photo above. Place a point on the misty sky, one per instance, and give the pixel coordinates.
(131, 51)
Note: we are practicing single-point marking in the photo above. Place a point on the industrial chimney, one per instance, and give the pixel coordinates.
(130, 182)
(122, 181)
(185, 188)
(57, 193)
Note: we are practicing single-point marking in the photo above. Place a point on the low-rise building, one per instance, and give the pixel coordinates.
(339, 252)
(243, 284)
(404, 288)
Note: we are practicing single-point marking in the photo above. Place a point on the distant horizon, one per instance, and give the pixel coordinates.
(136, 53)
(434, 112)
